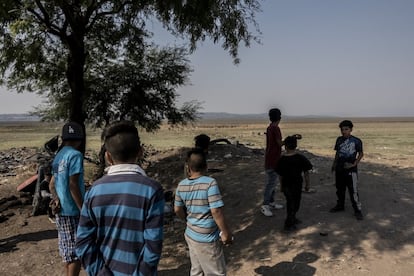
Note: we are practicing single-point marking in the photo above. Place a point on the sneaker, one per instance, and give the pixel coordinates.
(358, 215)
(266, 211)
(337, 208)
(276, 206)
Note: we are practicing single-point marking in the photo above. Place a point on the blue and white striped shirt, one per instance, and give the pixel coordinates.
(199, 196)
(121, 224)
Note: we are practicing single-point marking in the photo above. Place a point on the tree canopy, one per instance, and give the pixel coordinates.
(94, 60)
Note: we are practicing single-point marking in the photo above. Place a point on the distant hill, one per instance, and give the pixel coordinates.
(263, 117)
(224, 115)
(18, 118)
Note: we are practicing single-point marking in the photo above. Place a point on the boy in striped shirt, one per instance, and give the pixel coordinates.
(198, 201)
(121, 225)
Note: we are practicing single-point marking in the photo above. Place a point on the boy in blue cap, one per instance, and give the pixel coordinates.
(68, 188)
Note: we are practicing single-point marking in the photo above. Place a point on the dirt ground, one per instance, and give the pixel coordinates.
(325, 243)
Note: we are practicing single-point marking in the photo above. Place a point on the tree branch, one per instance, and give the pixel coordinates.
(54, 29)
(95, 7)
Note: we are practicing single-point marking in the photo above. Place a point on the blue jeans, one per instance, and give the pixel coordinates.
(270, 186)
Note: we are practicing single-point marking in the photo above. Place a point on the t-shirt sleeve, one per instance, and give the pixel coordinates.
(307, 165)
(76, 164)
(178, 201)
(214, 195)
(336, 147)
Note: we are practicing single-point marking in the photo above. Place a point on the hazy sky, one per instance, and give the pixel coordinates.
(318, 57)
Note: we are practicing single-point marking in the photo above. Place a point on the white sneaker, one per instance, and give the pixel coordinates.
(266, 211)
(276, 206)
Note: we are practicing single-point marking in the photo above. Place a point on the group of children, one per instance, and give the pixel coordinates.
(116, 228)
(292, 168)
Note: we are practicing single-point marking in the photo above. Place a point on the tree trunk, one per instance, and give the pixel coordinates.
(74, 74)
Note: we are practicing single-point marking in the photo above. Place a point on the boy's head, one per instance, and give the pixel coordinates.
(291, 142)
(122, 143)
(346, 123)
(346, 127)
(72, 135)
(202, 141)
(275, 115)
(196, 160)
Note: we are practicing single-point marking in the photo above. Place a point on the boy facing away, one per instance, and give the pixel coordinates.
(199, 202)
(272, 155)
(121, 225)
(290, 169)
(68, 190)
(349, 153)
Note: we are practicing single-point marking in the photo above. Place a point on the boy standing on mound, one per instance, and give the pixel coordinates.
(290, 168)
(348, 154)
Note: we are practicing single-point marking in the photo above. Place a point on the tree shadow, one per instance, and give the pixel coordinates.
(182, 269)
(11, 243)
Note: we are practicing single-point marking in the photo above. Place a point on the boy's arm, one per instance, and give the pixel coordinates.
(307, 180)
(86, 247)
(359, 157)
(179, 208)
(75, 191)
(52, 188)
(54, 204)
(360, 154)
(153, 235)
(180, 212)
(279, 142)
(218, 215)
(334, 162)
(282, 187)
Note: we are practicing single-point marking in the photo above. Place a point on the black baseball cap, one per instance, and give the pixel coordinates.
(72, 131)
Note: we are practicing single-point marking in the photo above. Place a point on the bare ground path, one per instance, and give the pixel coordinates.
(381, 244)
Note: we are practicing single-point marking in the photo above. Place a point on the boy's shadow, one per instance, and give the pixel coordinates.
(298, 267)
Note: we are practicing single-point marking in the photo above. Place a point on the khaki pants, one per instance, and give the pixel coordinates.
(207, 259)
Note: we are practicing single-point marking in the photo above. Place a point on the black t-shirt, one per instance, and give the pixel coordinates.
(291, 167)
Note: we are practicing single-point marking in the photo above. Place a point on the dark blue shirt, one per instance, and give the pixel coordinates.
(121, 225)
(347, 150)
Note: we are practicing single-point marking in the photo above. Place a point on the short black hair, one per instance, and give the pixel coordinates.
(275, 114)
(122, 141)
(196, 160)
(202, 141)
(291, 142)
(346, 123)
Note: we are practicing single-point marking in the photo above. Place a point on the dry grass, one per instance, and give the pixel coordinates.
(381, 137)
